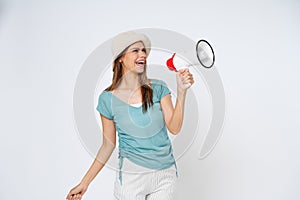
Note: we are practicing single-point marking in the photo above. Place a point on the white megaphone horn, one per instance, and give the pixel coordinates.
(205, 55)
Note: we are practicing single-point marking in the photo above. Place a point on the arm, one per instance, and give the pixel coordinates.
(105, 151)
(174, 116)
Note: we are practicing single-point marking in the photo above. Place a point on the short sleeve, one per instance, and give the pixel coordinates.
(161, 88)
(104, 105)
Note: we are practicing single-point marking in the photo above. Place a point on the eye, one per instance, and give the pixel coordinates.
(144, 50)
(135, 50)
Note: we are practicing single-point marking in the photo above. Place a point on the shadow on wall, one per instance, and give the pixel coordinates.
(2, 11)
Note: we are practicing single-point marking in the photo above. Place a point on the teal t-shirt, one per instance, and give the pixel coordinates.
(143, 137)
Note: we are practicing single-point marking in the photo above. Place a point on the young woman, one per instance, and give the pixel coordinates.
(141, 111)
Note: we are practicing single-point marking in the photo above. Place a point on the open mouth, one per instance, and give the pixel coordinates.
(140, 63)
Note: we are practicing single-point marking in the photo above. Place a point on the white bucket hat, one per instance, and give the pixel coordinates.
(123, 40)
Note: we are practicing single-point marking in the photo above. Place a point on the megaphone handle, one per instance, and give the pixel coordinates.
(187, 85)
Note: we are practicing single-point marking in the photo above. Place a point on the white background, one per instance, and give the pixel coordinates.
(43, 45)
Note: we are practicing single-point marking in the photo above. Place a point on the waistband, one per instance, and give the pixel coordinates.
(123, 155)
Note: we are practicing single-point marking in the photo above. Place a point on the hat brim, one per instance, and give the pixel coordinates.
(125, 39)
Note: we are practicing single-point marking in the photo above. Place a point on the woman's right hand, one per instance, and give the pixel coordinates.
(184, 79)
(77, 192)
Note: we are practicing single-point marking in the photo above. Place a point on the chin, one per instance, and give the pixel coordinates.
(139, 70)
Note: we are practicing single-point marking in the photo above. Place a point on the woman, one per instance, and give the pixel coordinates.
(141, 111)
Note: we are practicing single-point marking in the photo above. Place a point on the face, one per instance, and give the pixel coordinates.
(134, 59)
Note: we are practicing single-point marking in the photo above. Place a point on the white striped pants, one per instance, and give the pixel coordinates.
(140, 183)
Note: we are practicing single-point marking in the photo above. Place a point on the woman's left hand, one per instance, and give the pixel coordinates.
(184, 80)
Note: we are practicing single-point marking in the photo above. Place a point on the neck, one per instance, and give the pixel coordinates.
(130, 81)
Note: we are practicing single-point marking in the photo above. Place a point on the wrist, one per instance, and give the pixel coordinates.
(84, 182)
(181, 96)
(181, 92)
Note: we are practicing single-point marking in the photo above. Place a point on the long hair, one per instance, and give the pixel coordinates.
(146, 89)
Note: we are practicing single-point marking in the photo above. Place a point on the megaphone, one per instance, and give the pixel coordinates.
(205, 55)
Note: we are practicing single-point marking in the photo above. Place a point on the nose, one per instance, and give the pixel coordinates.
(142, 53)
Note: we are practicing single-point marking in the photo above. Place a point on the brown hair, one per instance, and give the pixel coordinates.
(146, 88)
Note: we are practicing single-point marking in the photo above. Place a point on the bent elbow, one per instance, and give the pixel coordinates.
(175, 131)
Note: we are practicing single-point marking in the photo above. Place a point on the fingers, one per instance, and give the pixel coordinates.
(77, 197)
(77, 192)
(186, 77)
(70, 195)
(74, 196)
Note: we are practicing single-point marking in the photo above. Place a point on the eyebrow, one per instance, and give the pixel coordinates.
(135, 48)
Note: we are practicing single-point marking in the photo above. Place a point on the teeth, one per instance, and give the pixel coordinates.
(140, 62)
